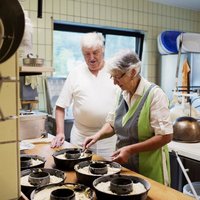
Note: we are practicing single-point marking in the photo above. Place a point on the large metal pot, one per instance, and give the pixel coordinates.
(186, 129)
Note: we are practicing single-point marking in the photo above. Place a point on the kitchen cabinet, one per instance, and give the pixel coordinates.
(9, 126)
(190, 157)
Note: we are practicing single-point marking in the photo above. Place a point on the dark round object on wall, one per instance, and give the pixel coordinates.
(12, 23)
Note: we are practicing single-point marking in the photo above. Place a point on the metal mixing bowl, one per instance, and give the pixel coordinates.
(186, 129)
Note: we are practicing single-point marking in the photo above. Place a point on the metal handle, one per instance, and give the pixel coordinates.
(186, 176)
(178, 60)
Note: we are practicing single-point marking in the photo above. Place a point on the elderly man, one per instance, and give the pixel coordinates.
(92, 93)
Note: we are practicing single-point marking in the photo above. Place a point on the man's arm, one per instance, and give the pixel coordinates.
(60, 135)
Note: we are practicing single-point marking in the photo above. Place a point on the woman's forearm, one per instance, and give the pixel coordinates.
(151, 144)
(105, 132)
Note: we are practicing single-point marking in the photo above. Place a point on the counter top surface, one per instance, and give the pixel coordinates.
(189, 150)
(157, 191)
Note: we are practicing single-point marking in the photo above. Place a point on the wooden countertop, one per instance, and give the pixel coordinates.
(157, 191)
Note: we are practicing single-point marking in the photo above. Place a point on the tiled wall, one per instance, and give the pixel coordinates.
(142, 15)
(152, 18)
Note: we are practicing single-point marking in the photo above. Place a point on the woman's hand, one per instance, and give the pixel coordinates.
(89, 141)
(121, 155)
(58, 140)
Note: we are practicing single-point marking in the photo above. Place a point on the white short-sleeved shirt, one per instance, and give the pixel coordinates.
(92, 97)
(160, 114)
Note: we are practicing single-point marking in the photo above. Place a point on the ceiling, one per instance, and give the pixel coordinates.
(189, 4)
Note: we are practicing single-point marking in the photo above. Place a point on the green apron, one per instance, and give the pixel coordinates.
(132, 126)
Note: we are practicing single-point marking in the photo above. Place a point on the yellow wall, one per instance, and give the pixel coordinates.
(142, 15)
(9, 146)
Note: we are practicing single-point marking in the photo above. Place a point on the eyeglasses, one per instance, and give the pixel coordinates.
(117, 77)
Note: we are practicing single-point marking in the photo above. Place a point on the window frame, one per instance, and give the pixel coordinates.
(59, 25)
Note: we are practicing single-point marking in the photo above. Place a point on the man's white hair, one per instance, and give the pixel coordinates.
(92, 39)
(124, 61)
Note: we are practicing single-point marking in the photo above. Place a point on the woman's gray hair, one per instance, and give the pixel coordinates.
(124, 61)
(92, 39)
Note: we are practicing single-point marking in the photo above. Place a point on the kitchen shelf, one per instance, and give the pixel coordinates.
(26, 70)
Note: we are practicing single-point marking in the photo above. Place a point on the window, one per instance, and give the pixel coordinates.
(66, 44)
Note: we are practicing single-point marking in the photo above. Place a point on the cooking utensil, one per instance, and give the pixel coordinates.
(98, 168)
(25, 161)
(85, 177)
(73, 154)
(121, 185)
(33, 61)
(12, 25)
(36, 161)
(39, 178)
(186, 175)
(79, 189)
(68, 164)
(186, 129)
(103, 194)
(28, 188)
(175, 97)
(62, 194)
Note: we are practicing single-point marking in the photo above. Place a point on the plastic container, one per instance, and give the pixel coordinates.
(167, 42)
(191, 42)
(168, 39)
(187, 190)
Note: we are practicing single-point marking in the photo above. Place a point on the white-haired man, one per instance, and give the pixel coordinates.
(92, 93)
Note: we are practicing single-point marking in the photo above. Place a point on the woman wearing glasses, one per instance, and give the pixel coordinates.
(141, 121)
